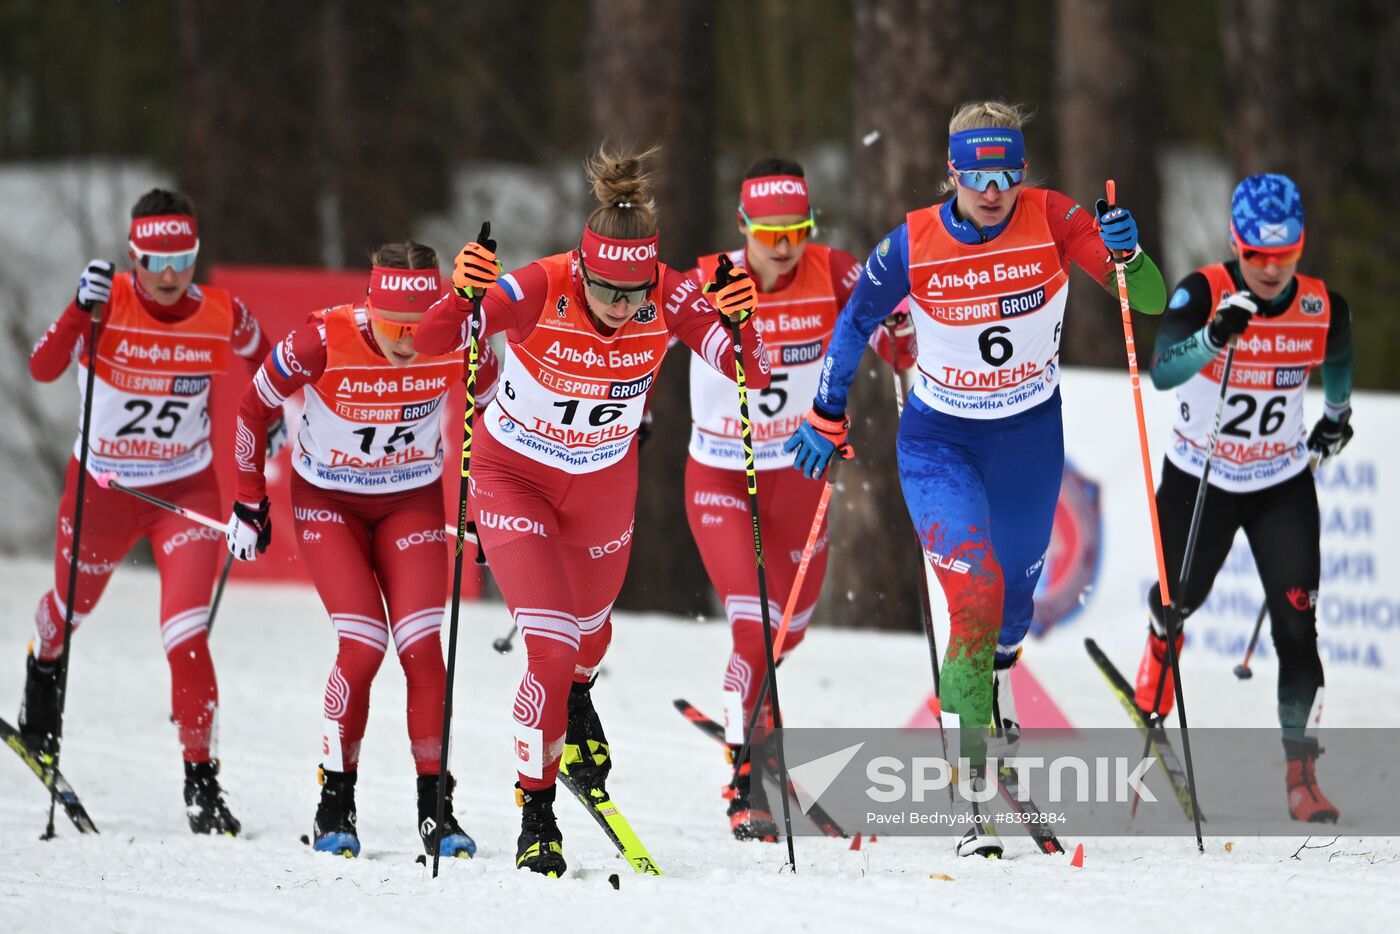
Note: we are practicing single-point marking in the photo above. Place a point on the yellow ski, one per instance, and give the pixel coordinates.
(619, 831)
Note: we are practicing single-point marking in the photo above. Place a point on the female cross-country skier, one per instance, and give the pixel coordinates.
(368, 508)
(981, 447)
(554, 467)
(161, 340)
(802, 286)
(1286, 325)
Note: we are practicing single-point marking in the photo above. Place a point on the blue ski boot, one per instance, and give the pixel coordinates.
(454, 841)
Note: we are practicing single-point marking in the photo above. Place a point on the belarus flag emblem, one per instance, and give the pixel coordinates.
(991, 152)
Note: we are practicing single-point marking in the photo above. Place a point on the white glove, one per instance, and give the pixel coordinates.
(249, 530)
(276, 436)
(95, 286)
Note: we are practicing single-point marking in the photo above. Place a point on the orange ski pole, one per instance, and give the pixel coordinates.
(1168, 610)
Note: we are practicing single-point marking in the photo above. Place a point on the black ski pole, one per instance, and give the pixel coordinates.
(751, 475)
(469, 411)
(73, 562)
(505, 643)
(1242, 670)
(218, 595)
(1193, 533)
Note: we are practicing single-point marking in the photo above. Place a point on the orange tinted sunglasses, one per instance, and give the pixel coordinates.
(391, 330)
(1263, 256)
(771, 235)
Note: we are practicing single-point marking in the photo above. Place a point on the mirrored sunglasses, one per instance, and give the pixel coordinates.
(982, 179)
(610, 294)
(160, 262)
(770, 235)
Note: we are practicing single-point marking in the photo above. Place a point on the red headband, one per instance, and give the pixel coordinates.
(392, 289)
(772, 195)
(618, 260)
(165, 233)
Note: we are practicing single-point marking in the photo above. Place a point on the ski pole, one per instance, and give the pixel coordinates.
(109, 481)
(1121, 277)
(1192, 537)
(473, 362)
(808, 550)
(1197, 510)
(81, 491)
(1242, 670)
(505, 643)
(751, 475)
(81, 494)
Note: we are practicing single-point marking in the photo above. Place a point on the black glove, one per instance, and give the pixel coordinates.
(1232, 316)
(95, 287)
(1329, 437)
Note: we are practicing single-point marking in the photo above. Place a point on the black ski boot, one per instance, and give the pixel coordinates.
(455, 841)
(750, 816)
(38, 711)
(204, 801)
(540, 847)
(586, 759)
(334, 828)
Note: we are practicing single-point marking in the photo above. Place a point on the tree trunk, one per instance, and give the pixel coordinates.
(912, 70)
(243, 124)
(1108, 128)
(293, 146)
(647, 69)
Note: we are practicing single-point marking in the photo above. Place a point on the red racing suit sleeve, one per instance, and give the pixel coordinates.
(249, 340)
(1077, 238)
(60, 344)
(512, 305)
(298, 359)
(695, 322)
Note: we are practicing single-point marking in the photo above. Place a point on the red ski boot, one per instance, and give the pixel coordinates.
(1152, 668)
(1306, 802)
(749, 815)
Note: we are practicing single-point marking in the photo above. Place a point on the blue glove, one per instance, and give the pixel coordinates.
(815, 440)
(1117, 228)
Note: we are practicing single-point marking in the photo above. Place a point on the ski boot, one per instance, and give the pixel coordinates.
(586, 759)
(1152, 668)
(981, 838)
(750, 816)
(540, 847)
(334, 828)
(204, 801)
(455, 841)
(38, 711)
(1306, 802)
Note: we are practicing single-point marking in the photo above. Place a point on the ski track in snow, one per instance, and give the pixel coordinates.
(274, 646)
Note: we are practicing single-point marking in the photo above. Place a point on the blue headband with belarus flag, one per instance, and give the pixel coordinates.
(990, 148)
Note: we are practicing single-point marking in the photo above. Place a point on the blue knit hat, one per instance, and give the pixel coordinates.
(1267, 211)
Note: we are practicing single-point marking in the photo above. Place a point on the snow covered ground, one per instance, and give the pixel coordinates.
(273, 647)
